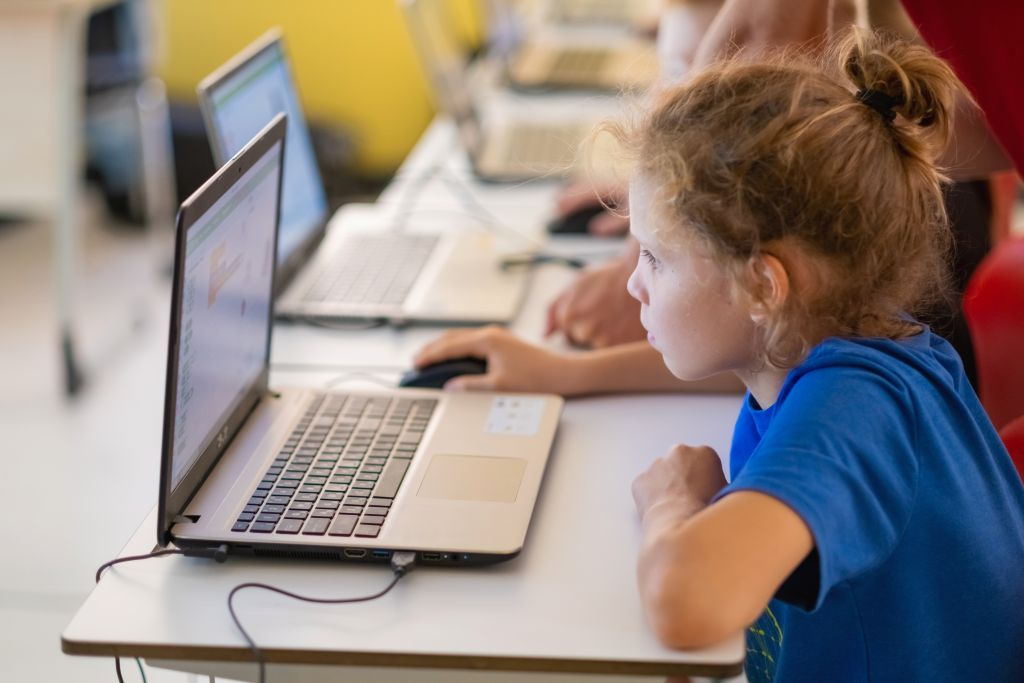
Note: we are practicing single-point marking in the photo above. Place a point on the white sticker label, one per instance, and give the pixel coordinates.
(515, 416)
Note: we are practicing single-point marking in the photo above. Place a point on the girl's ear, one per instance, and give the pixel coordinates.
(771, 285)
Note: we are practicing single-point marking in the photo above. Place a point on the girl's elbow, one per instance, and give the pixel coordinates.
(684, 618)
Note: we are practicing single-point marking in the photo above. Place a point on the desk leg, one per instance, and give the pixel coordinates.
(70, 67)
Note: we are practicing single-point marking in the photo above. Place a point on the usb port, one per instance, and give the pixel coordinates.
(381, 554)
(355, 553)
(430, 557)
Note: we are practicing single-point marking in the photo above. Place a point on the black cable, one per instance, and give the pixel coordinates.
(131, 558)
(401, 564)
(533, 260)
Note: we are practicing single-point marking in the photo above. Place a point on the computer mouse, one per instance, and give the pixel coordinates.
(435, 375)
(574, 223)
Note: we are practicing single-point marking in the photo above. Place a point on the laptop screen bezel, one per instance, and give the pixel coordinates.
(466, 118)
(272, 39)
(173, 501)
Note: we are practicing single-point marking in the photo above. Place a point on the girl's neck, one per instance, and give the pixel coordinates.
(764, 384)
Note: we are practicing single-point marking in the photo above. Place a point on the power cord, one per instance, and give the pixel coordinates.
(402, 563)
(131, 558)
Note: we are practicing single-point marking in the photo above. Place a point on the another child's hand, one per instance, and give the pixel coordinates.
(687, 478)
(512, 364)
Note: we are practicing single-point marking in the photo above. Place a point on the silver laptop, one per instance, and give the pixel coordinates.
(411, 275)
(561, 59)
(508, 150)
(298, 472)
(618, 12)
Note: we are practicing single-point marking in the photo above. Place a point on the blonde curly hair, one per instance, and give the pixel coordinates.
(835, 155)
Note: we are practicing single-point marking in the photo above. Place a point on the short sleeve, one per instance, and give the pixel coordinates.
(840, 452)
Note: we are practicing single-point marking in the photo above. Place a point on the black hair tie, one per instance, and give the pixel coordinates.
(880, 102)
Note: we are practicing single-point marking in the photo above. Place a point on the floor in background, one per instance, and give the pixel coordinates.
(79, 475)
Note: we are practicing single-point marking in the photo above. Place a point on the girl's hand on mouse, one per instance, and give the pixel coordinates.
(685, 480)
(512, 364)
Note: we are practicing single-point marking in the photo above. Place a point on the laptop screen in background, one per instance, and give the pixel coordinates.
(227, 277)
(241, 105)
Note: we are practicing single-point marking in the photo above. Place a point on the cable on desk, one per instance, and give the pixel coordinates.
(402, 563)
(132, 558)
(356, 375)
(534, 260)
(341, 325)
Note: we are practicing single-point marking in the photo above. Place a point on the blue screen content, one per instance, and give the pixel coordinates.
(225, 308)
(242, 105)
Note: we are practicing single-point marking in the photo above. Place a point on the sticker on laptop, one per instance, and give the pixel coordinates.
(515, 416)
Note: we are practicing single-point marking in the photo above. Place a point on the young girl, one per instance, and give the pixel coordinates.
(790, 219)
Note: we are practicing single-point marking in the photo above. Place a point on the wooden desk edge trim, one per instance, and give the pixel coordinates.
(396, 660)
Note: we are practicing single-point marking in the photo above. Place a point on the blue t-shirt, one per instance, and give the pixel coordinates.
(917, 515)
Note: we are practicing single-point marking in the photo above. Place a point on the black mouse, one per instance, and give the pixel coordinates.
(434, 376)
(574, 223)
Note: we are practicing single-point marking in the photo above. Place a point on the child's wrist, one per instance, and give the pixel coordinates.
(674, 509)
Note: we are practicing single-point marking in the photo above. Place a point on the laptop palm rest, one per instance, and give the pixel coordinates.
(469, 477)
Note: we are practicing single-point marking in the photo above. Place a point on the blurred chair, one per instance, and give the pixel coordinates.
(994, 306)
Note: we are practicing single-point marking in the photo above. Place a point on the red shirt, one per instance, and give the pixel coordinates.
(984, 43)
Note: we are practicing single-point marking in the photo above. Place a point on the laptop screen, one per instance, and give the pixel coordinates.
(239, 105)
(443, 58)
(225, 298)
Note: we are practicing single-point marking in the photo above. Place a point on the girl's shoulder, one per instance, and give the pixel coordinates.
(924, 358)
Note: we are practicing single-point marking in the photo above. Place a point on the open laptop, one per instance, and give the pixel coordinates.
(298, 472)
(413, 275)
(506, 150)
(559, 59)
(618, 12)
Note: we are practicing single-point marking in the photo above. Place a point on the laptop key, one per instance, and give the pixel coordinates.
(367, 530)
(343, 525)
(323, 512)
(296, 514)
(351, 510)
(246, 517)
(391, 479)
(316, 526)
(372, 519)
(382, 502)
(240, 526)
(273, 509)
(378, 511)
(270, 519)
(261, 527)
(289, 526)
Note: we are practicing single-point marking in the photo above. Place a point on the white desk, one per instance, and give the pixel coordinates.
(568, 605)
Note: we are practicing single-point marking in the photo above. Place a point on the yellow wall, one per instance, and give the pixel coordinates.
(353, 60)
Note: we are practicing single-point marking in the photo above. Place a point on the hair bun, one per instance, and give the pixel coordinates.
(921, 87)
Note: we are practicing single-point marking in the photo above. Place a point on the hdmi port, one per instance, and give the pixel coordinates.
(355, 553)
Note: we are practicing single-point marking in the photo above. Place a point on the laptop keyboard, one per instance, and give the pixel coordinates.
(577, 65)
(340, 469)
(373, 269)
(543, 146)
(605, 11)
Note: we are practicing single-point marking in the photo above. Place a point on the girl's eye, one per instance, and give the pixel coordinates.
(651, 259)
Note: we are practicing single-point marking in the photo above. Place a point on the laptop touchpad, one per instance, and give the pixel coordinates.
(473, 477)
